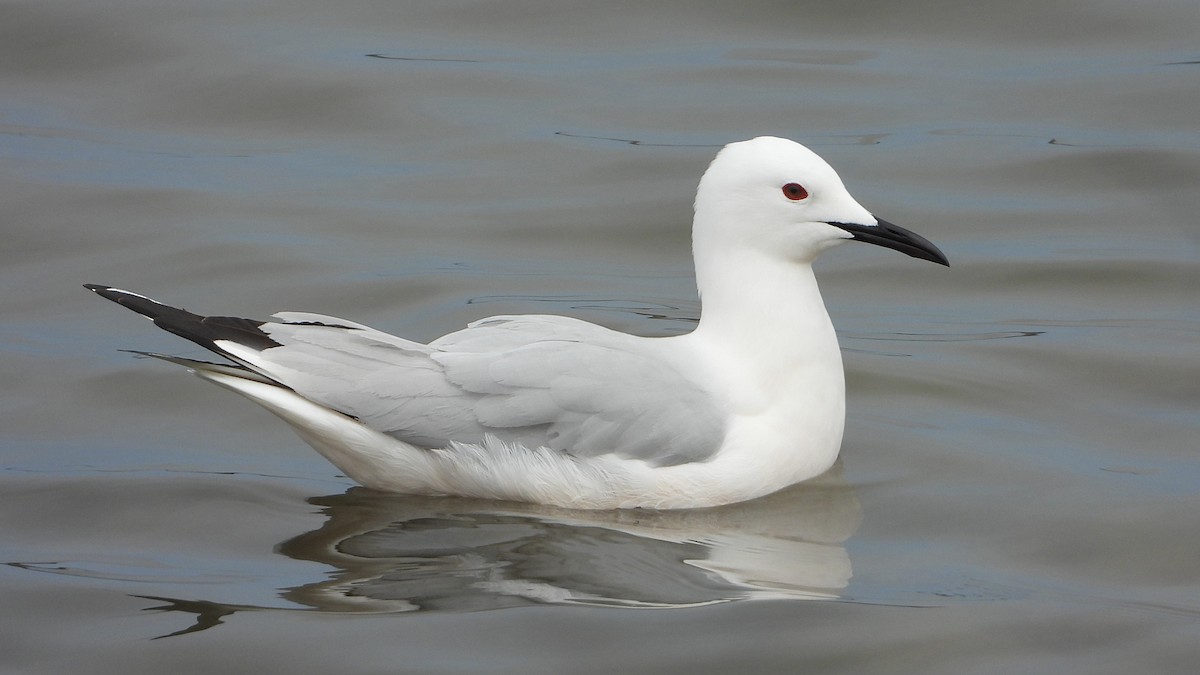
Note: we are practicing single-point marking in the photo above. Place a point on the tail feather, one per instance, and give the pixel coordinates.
(203, 367)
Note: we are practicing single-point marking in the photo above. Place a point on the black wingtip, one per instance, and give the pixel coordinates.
(111, 292)
(137, 302)
(100, 288)
(203, 330)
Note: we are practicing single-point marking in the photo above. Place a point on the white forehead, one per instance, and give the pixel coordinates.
(771, 160)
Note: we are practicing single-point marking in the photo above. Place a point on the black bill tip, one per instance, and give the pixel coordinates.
(893, 236)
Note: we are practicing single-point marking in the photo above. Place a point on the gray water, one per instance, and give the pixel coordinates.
(1019, 478)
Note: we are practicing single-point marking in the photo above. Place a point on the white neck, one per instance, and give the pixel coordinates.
(764, 310)
(771, 353)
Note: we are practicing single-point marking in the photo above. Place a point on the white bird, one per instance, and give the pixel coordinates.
(558, 411)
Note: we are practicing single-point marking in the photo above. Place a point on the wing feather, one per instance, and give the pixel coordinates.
(539, 381)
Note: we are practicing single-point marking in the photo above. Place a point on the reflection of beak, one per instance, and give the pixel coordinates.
(887, 235)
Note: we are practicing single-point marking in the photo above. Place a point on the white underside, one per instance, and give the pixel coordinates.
(497, 470)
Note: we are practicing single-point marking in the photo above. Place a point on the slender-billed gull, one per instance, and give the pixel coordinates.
(559, 411)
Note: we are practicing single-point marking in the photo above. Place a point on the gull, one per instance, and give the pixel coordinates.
(558, 411)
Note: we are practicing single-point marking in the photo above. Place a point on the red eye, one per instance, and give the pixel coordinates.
(795, 192)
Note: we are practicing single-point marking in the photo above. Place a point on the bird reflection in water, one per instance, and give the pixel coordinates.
(395, 554)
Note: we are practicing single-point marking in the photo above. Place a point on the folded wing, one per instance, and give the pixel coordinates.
(538, 381)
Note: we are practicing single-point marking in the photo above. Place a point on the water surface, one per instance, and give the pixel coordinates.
(1019, 477)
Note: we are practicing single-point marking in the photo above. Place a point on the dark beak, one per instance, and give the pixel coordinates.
(895, 237)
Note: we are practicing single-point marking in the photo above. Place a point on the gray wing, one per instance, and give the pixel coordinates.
(536, 380)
